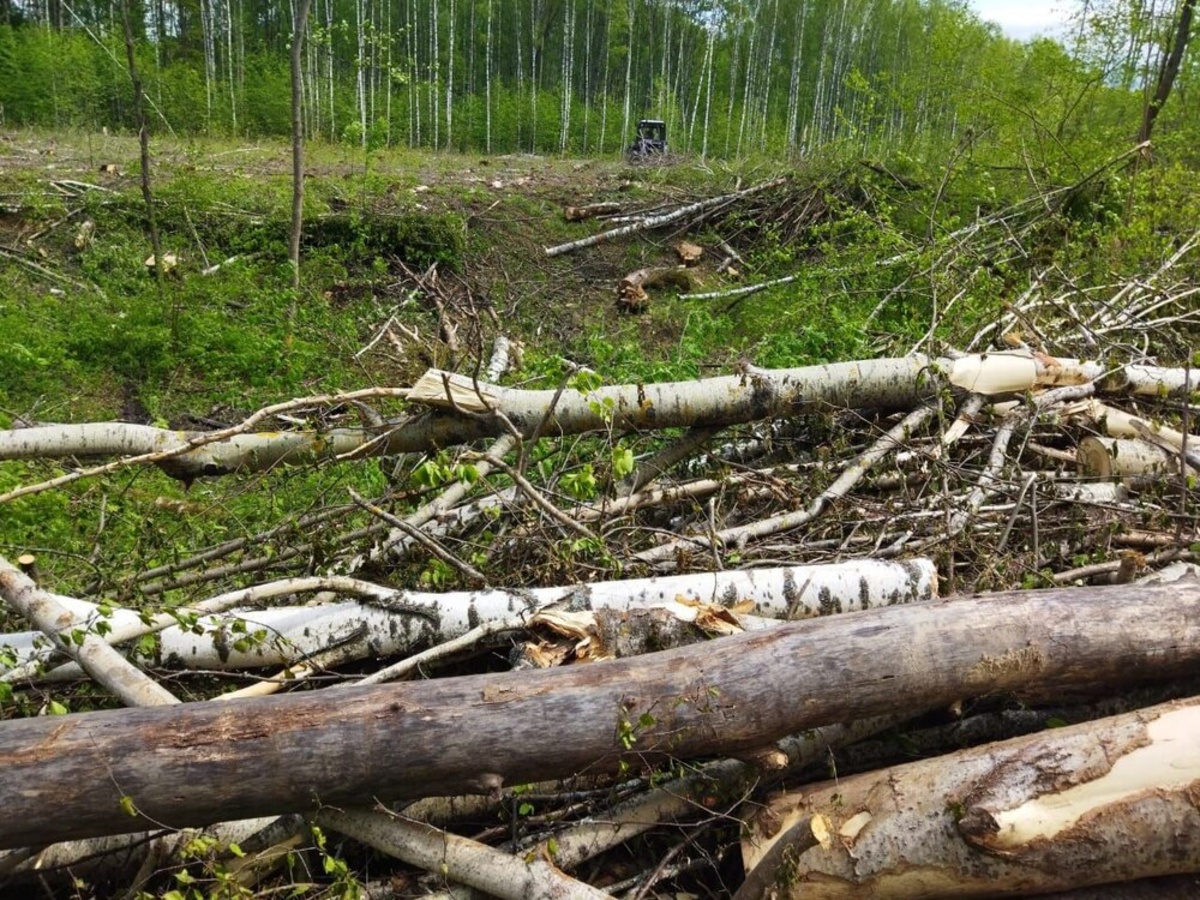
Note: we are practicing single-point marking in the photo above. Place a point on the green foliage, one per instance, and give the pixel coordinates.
(418, 239)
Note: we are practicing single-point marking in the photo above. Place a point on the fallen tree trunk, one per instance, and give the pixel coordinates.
(82, 775)
(1111, 800)
(888, 383)
(658, 221)
(465, 410)
(209, 635)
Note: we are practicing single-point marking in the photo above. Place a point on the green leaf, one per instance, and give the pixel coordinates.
(585, 381)
(622, 461)
(54, 708)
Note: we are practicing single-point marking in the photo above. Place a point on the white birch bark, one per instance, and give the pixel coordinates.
(487, 82)
(388, 622)
(723, 400)
(1105, 801)
(631, 9)
(90, 651)
(883, 383)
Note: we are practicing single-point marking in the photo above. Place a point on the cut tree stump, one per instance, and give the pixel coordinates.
(631, 290)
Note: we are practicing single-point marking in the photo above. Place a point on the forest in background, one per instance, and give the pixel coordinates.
(731, 79)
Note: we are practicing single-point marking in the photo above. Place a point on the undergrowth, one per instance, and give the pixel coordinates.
(878, 265)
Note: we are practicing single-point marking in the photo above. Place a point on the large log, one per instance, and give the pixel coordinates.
(1111, 800)
(82, 775)
(386, 622)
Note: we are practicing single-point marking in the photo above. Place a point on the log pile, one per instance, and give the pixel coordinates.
(755, 635)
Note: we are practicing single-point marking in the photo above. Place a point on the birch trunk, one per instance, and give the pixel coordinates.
(725, 400)
(1105, 801)
(387, 622)
(204, 762)
(900, 383)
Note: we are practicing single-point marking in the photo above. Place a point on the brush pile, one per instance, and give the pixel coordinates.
(612, 639)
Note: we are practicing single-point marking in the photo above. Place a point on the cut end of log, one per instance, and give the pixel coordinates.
(1113, 458)
(689, 254)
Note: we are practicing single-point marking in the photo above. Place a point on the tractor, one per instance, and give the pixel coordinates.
(651, 139)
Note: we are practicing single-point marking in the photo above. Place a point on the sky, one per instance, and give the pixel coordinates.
(1023, 19)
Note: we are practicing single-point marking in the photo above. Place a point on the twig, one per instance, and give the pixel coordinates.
(444, 650)
(538, 500)
(850, 476)
(425, 540)
(440, 504)
(651, 468)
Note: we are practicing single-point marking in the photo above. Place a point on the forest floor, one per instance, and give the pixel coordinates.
(218, 200)
(413, 261)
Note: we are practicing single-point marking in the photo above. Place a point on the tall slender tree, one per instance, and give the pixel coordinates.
(299, 23)
(1169, 69)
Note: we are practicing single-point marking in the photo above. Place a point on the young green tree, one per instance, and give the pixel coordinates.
(299, 22)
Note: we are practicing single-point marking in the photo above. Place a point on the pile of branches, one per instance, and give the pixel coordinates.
(684, 608)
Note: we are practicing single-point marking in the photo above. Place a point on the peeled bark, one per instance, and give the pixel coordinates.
(1104, 457)
(66, 777)
(1111, 800)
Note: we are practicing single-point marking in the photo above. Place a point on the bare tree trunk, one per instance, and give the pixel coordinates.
(1168, 71)
(205, 762)
(139, 106)
(298, 28)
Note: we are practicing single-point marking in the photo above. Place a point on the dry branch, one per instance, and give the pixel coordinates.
(853, 473)
(466, 861)
(203, 762)
(692, 210)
